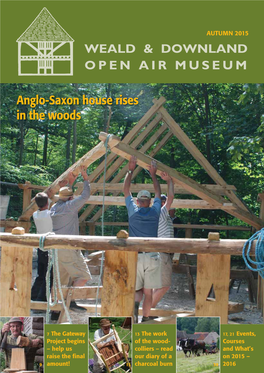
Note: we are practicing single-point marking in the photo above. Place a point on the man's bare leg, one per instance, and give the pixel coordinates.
(158, 294)
(147, 303)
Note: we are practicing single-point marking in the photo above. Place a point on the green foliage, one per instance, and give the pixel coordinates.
(198, 324)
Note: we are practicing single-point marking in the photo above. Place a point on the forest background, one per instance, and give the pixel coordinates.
(225, 122)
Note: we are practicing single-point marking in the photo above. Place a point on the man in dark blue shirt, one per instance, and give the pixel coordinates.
(143, 222)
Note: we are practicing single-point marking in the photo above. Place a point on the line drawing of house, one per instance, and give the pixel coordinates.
(45, 48)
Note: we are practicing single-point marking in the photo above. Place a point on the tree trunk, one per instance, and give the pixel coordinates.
(45, 147)
(21, 142)
(106, 111)
(68, 146)
(207, 121)
(36, 151)
(74, 141)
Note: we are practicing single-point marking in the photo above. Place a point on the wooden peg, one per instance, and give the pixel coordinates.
(18, 230)
(213, 236)
(122, 234)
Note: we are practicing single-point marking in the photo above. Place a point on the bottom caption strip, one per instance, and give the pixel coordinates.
(241, 348)
(66, 348)
(154, 348)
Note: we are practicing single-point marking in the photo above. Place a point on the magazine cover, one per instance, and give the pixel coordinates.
(132, 186)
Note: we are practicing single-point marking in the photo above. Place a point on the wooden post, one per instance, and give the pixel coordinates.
(82, 229)
(260, 300)
(16, 274)
(26, 196)
(118, 293)
(92, 230)
(213, 272)
(188, 234)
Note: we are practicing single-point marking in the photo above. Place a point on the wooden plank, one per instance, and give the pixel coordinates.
(27, 193)
(68, 298)
(85, 292)
(195, 188)
(198, 156)
(18, 359)
(108, 243)
(212, 270)
(119, 283)
(181, 226)
(86, 160)
(16, 274)
(136, 187)
(10, 224)
(117, 164)
(177, 203)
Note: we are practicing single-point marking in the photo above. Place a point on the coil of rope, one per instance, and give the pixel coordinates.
(259, 253)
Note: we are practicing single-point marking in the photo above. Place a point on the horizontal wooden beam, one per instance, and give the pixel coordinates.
(233, 307)
(170, 245)
(180, 226)
(177, 203)
(85, 292)
(118, 187)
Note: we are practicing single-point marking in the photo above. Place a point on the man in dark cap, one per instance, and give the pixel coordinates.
(7, 341)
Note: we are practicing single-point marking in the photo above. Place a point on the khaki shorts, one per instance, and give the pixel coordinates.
(72, 266)
(166, 269)
(148, 271)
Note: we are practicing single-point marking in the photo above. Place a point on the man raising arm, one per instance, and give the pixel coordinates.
(143, 222)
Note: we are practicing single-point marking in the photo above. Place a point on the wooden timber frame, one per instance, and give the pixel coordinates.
(144, 141)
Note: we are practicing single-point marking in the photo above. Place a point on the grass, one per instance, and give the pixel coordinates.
(198, 364)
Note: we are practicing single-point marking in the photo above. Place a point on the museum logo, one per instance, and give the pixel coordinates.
(45, 48)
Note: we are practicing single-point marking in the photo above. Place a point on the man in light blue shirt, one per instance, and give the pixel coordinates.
(143, 222)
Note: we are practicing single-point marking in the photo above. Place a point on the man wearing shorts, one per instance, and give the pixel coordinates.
(165, 230)
(143, 222)
(64, 214)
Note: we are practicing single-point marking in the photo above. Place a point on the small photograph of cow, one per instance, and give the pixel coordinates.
(198, 344)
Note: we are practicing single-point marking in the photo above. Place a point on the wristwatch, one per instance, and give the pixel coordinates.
(130, 172)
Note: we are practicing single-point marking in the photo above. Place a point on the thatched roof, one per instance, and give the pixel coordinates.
(45, 28)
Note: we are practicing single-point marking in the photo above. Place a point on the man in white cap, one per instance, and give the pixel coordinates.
(143, 222)
(64, 214)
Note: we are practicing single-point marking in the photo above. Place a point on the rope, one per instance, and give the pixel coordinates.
(53, 262)
(103, 211)
(259, 253)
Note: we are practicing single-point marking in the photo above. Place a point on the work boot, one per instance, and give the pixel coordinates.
(54, 315)
(75, 308)
(145, 318)
(136, 312)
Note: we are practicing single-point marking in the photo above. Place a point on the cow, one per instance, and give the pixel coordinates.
(185, 347)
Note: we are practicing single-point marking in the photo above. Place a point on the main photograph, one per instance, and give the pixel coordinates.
(147, 193)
